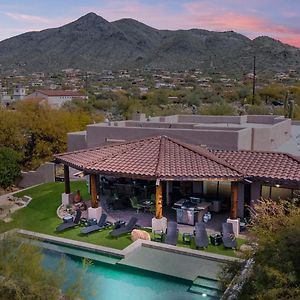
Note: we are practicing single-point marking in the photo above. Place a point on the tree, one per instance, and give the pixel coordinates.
(37, 131)
(275, 229)
(23, 276)
(9, 167)
(218, 109)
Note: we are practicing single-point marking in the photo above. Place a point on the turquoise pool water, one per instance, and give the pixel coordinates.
(105, 279)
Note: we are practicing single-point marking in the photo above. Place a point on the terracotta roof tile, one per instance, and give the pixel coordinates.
(155, 157)
(166, 158)
(264, 165)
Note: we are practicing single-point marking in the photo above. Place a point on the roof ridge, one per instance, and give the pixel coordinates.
(159, 159)
(206, 153)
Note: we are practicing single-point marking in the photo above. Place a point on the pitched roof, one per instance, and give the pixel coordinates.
(267, 166)
(154, 157)
(57, 93)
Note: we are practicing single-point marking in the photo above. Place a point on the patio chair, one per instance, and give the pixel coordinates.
(100, 225)
(125, 229)
(171, 233)
(228, 237)
(135, 204)
(69, 225)
(201, 237)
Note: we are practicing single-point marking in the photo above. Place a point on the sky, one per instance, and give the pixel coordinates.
(279, 19)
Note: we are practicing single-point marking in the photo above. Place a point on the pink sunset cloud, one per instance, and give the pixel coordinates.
(27, 18)
(204, 15)
(208, 16)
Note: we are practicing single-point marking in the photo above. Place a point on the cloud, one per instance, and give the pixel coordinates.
(27, 18)
(208, 15)
(235, 15)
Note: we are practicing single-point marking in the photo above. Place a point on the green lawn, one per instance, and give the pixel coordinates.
(40, 216)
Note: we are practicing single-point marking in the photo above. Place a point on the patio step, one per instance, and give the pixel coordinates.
(205, 287)
(205, 292)
(207, 282)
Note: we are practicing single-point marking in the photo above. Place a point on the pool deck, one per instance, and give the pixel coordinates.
(169, 260)
(172, 264)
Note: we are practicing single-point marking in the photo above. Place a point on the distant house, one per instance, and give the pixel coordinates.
(56, 98)
(19, 92)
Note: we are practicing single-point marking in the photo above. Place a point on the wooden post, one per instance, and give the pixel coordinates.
(67, 179)
(93, 189)
(158, 204)
(234, 201)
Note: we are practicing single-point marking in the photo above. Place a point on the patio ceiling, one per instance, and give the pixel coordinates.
(158, 157)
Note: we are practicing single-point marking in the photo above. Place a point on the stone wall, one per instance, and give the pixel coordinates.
(45, 173)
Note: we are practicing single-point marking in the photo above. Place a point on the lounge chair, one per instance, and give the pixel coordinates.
(125, 229)
(171, 233)
(201, 237)
(100, 225)
(69, 225)
(228, 237)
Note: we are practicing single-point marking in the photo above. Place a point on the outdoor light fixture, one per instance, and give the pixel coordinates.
(277, 185)
(79, 174)
(248, 181)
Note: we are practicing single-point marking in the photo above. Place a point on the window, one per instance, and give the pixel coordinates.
(224, 190)
(281, 193)
(266, 192)
(211, 189)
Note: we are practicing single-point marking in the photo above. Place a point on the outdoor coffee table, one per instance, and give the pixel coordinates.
(119, 224)
(68, 219)
(91, 222)
(158, 235)
(146, 205)
(216, 239)
(83, 221)
(187, 238)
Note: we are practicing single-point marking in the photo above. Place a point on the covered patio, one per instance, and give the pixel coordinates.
(172, 169)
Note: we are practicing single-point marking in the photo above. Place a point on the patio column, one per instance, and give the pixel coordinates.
(93, 188)
(67, 179)
(158, 204)
(234, 201)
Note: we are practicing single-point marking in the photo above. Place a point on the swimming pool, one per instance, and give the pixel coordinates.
(109, 278)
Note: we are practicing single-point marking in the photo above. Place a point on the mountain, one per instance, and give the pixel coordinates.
(92, 43)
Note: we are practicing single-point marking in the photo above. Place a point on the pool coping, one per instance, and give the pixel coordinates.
(129, 249)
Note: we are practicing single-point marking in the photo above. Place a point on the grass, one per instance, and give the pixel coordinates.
(40, 216)
(211, 248)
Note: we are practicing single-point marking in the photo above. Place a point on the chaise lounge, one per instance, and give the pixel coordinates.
(125, 229)
(228, 238)
(100, 225)
(201, 237)
(171, 233)
(69, 225)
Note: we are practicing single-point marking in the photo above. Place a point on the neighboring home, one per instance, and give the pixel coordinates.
(258, 133)
(19, 92)
(56, 98)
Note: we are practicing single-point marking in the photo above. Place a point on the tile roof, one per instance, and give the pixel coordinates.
(272, 166)
(155, 157)
(57, 93)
